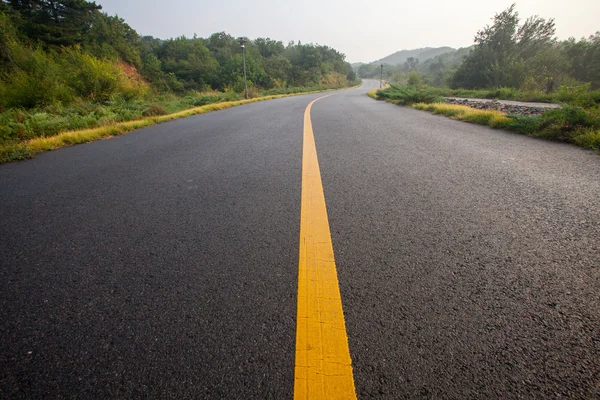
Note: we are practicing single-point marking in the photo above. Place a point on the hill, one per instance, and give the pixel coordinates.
(400, 57)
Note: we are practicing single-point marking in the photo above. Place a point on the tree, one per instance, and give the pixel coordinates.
(268, 47)
(411, 64)
(222, 46)
(585, 59)
(54, 22)
(189, 60)
(546, 69)
(278, 70)
(504, 50)
(111, 37)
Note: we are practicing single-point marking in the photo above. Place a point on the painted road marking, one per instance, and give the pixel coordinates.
(323, 366)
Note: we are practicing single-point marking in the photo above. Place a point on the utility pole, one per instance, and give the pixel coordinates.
(243, 45)
(381, 79)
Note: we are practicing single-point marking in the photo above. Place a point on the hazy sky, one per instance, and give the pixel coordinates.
(363, 30)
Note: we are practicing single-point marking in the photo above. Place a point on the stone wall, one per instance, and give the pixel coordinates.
(505, 106)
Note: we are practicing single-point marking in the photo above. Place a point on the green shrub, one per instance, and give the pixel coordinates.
(572, 117)
(34, 79)
(203, 100)
(91, 78)
(153, 110)
(524, 124)
(589, 139)
(581, 95)
(14, 152)
(566, 123)
(407, 95)
(6, 133)
(414, 79)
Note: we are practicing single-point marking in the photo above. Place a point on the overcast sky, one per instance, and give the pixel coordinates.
(363, 30)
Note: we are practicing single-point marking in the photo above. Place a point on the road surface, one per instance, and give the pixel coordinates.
(164, 263)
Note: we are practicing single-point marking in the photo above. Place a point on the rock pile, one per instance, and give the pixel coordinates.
(505, 106)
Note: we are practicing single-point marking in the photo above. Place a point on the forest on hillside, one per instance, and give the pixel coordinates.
(509, 53)
(64, 51)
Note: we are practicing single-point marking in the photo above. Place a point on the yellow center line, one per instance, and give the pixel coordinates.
(323, 366)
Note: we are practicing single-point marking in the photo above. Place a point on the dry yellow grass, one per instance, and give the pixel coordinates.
(495, 119)
(373, 93)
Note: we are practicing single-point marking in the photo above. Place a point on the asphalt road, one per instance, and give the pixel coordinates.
(163, 263)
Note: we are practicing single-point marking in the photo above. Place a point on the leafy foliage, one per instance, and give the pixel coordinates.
(407, 95)
(58, 23)
(572, 124)
(528, 57)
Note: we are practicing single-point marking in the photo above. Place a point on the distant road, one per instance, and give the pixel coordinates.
(164, 263)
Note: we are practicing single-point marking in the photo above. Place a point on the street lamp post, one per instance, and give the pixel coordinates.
(243, 46)
(381, 79)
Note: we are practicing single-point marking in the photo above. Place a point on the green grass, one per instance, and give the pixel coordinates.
(18, 125)
(578, 122)
(577, 95)
(37, 132)
(407, 95)
(571, 124)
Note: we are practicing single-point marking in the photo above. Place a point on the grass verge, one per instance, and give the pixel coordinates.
(495, 119)
(373, 93)
(582, 95)
(571, 124)
(574, 123)
(10, 152)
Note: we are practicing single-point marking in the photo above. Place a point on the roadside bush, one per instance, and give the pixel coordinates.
(36, 78)
(97, 79)
(581, 95)
(407, 95)
(524, 124)
(33, 79)
(563, 124)
(203, 100)
(153, 110)
(414, 79)
(589, 139)
(253, 92)
(91, 78)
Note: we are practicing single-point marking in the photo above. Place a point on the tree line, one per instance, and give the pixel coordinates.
(75, 51)
(524, 55)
